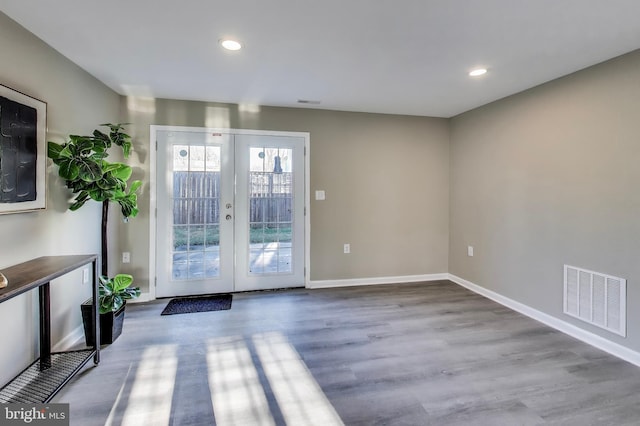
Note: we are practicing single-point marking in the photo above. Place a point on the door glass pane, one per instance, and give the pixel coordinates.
(196, 212)
(270, 210)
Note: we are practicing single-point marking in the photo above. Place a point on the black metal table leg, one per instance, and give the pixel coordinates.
(96, 313)
(45, 326)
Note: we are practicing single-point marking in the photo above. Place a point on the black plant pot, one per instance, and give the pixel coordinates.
(110, 324)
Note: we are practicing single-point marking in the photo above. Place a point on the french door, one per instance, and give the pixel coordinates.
(230, 212)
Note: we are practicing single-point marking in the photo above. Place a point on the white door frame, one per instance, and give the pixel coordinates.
(153, 188)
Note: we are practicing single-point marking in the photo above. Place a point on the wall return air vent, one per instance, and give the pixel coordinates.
(596, 298)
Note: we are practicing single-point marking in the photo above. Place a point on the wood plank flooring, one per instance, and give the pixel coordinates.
(410, 354)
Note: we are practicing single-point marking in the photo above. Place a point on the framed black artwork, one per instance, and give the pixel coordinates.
(23, 124)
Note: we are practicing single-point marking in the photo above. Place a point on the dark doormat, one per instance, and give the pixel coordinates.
(187, 305)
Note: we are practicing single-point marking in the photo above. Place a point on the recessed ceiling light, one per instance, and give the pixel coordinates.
(230, 44)
(477, 72)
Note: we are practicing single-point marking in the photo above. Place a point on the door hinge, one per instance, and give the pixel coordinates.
(156, 145)
(305, 210)
(155, 281)
(304, 273)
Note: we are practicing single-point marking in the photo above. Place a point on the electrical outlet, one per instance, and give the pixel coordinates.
(126, 257)
(470, 251)
(347, 248)
(320, 195)
(85, 275)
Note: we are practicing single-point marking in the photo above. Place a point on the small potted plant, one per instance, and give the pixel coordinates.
(113, 296)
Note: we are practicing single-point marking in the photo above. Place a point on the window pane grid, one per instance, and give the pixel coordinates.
(270, 210)
(196, 212)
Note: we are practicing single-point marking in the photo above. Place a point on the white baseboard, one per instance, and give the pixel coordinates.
(599, 342)
(376, 281)
(70, 340)
(144, 297)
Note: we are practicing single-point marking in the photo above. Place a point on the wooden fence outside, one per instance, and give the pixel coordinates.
(196, 198)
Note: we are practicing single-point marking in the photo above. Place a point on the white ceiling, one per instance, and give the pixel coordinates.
(400, 56)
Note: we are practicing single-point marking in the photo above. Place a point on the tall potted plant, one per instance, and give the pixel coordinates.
(82, 164)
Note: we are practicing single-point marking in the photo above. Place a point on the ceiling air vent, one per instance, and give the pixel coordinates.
(596, 298)
(308, 102)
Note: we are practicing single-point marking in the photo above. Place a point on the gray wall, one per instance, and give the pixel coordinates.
(547, 177)
(76, 103)
(386, 179)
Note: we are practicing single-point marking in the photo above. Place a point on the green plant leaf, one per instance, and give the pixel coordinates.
(76, 205)
(126, 148)
(128, 205)
(99, 194)
(102, 137)
(135, 185)
(98, 156)
(122, 171)
(118, 301)
(68, 170)
(84, 146)
(99, 148)
(66, 151)
(120, 138)
(78, 185)
(88, 170)
(114, 127)
(106, 304)
(108, 167)
(126, 209)
(121, 282)
(131, 293)
(105, 286)
(107, 182)
(53, 150)
(114, 291)
(79, 201)
(116, 137)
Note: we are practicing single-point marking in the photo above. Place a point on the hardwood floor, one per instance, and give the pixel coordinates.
(410, 354)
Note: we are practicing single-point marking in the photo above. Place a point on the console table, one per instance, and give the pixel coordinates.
(39, 382)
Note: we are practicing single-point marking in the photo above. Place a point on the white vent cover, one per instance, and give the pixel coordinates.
(596, 298)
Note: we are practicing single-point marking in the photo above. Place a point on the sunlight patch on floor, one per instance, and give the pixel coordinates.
(150, 399)
(248, 378)
(236, 392)
(299, 396)
(114, 408)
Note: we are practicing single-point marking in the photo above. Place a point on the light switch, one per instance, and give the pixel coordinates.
(320, 195)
